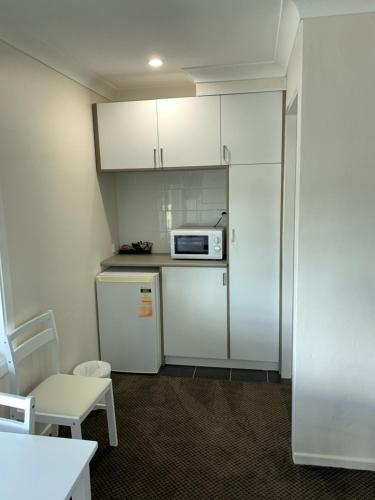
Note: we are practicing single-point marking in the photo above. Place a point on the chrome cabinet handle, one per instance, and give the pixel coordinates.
(224, 279)
(154, 157)
(161, 157)
(233, 237)
(226, 154)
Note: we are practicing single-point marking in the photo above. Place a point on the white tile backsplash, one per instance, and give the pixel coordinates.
(211, 197)
(150, 204)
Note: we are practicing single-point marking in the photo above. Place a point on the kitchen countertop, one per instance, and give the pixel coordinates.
(158, 260)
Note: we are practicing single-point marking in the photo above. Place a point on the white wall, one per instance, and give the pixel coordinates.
(208, 88)
(294, 73)
(241, 86)
(155, 92)
(333, 417)
(150, 204)
(56, 225)
(292, 142)
(287, 269)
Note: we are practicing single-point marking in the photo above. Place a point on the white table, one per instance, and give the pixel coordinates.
(44, 468)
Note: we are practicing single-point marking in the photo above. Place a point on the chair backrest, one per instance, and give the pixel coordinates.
(28, 338)
(26, 404)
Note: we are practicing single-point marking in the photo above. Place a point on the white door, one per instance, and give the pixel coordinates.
(251, 128)
(195, 312)
(127, 135)
(254, 261)
(189, 131)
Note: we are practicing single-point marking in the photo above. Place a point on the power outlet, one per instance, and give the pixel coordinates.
(220, 211)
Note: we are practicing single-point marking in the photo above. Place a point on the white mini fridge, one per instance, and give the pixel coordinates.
(129, 320)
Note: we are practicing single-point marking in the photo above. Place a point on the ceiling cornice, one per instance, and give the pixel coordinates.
(55, 59)
(223, 73)
(286, 31)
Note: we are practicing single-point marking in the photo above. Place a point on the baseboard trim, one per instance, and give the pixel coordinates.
(222, 363)
(334, 461)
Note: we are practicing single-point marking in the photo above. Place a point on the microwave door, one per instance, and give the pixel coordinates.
(191, 245)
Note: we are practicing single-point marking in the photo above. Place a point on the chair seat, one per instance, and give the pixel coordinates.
(68, 395)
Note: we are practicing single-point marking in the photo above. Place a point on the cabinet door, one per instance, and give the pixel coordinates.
(127, 135)
(254, 261)
(189, 131)
(251, 127)
(195, 312)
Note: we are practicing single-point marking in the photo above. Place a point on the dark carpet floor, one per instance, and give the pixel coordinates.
(207, 439)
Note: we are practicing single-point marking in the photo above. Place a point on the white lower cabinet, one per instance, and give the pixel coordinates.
(254, 261)
(195, 312)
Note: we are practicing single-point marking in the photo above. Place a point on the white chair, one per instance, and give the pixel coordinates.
(27, 426)
(60, 399)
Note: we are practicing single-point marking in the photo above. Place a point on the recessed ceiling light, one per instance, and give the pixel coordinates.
(155, 62)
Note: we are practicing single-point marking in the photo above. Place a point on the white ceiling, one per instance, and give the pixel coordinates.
(105, 44)
(320, 8)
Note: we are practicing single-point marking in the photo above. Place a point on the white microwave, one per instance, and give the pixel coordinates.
(198, 243)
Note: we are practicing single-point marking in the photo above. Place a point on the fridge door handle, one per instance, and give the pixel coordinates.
(233, 236)
(224, 279)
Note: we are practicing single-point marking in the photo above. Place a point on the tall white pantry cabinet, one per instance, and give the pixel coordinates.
(252, 142)
(254, 261)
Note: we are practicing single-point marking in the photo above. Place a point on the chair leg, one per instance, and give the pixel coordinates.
(76, 430)
(54, 430)
(111, 418)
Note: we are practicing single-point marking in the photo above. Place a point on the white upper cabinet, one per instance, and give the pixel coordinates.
(251, 128)
(189, 131)
(127, 135)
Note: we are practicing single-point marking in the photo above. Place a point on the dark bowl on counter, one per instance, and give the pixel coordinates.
(140, 247)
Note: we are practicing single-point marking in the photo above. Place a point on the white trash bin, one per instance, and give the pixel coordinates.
(100, 369)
